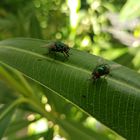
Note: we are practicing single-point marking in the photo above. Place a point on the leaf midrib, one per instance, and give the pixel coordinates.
(71, 66)
(45, 57)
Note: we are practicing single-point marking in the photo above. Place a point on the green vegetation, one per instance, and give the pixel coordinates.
(50, 98)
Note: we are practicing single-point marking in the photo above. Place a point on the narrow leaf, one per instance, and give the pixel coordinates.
(5, 121)
(114, 100)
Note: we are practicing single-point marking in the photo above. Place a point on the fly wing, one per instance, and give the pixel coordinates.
(115, 66)
(100, 61)
(48, 45)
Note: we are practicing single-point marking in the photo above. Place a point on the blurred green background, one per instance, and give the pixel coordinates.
(107, 28)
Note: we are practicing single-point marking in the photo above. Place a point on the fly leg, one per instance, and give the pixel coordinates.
(66, 55)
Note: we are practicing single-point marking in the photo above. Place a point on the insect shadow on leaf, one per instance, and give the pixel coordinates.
(83, 96)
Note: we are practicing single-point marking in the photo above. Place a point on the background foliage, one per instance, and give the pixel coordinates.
(110, 29)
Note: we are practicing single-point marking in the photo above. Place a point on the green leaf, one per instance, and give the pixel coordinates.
(78, 131)
(5, 91)
(130, 10)
(5, 121)
(34, 27)
(114, 100)
(5, 24)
